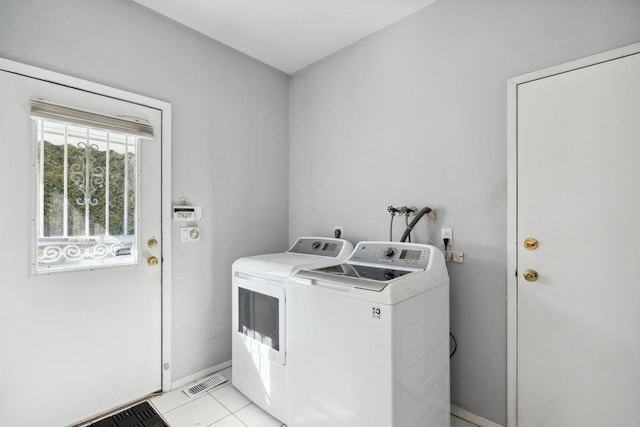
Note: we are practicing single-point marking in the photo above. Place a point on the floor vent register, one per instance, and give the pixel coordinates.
(206, 384)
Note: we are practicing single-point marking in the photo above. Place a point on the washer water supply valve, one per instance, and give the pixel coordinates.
(393, 211)
(446, 233)
(431, 216)
(404, 210)
(407, 211)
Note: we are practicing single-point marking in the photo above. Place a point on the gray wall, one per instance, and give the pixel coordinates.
(416, 115)
(230, 140)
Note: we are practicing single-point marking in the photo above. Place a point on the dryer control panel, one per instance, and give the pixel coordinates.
(318, 246)
(409, 255)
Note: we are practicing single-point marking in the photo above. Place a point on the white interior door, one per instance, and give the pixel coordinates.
(578, 177)
(75, 343)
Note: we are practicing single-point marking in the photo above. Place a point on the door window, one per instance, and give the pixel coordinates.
(87, 196)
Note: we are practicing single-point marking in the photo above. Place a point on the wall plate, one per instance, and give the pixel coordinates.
(189, 234)
(187, 213)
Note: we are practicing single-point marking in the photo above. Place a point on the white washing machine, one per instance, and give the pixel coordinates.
(259, 342)
(369, 340)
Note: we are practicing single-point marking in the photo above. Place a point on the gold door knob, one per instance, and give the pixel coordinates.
(153, 261)
(531, 243)
(530, 275)
(152, 242)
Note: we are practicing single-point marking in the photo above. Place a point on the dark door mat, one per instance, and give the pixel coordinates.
(141, 415)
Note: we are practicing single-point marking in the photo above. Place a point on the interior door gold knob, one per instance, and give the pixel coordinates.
(530, 275)
(152, 242)
(531, 244)
(153, 261)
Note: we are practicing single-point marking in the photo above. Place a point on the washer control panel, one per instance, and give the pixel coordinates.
(398, 254)
(318, 246)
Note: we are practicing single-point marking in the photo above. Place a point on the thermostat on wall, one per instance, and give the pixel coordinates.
(189, 234)
(187, 213)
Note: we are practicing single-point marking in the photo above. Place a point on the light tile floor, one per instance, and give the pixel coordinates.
(223, 406)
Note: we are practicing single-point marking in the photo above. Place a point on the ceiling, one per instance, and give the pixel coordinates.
(286, 34)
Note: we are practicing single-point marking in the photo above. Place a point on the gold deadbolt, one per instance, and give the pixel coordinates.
(530, 275)
(531, 243)
(152, 242)
(153, 261)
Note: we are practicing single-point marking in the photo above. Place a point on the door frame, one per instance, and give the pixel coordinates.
(512, 206)
(165, 112)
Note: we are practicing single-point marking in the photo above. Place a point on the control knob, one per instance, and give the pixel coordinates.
(389, 275)
(389, 252)
(315, 245)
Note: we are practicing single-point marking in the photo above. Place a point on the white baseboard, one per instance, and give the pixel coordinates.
(201, 374)
(472, 418)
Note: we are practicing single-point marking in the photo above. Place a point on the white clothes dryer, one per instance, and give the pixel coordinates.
(369, 340)
(259, 342)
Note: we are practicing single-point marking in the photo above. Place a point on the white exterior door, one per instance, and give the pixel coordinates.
(79, 342)
(578, 195)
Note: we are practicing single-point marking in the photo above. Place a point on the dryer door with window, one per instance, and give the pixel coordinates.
(260, 317)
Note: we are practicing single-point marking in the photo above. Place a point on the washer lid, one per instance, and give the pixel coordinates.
(360, 276)
(279, 264)
(306, 252)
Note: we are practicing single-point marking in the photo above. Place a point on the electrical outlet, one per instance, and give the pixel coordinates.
(338, 232)
(447, 233)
